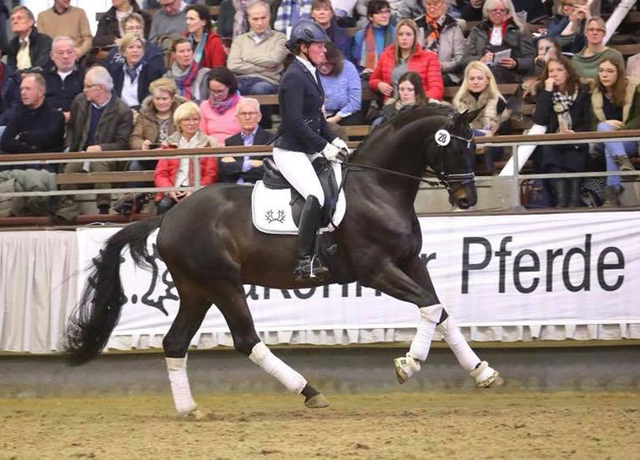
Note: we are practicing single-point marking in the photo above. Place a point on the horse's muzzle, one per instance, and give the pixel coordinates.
(464, 195)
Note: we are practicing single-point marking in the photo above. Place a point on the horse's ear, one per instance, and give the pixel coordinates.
(467, 117)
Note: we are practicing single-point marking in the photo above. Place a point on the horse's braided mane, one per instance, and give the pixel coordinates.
(404, 116)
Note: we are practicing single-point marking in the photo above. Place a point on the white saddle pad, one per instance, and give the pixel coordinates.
(271, 212)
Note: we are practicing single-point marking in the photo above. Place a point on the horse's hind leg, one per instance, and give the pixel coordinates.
(230, 300)
(176, 343)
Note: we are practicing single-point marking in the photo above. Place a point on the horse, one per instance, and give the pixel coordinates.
(379, 242)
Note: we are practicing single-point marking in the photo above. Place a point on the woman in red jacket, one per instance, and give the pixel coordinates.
(207, 45)
(172, 172)
(403, 56)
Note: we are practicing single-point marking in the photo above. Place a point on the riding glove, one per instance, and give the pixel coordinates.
(330, 152)
(342, 145)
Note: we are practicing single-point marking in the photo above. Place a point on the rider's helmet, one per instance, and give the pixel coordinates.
(306, 31)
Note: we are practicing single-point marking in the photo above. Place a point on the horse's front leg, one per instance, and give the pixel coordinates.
(484, 375)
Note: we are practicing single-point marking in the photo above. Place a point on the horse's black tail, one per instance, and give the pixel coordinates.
(98, 311)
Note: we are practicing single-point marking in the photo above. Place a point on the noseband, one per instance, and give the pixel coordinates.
(448, 180)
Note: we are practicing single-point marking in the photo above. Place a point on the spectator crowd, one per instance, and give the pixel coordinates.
(170, 76)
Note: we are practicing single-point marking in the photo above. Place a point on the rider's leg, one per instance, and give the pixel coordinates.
(298, 170)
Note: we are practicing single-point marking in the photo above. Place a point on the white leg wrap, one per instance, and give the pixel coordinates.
(180, 385)
(274, 366)
(456, 341)
(429, 317)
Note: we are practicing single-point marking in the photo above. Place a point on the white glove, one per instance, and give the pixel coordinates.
(330, 152)
(342, 145)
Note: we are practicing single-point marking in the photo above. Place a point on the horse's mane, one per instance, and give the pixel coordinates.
(405, 116)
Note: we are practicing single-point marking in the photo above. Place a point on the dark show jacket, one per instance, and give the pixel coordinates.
(60, 94)
(39, 49)
(232, 171)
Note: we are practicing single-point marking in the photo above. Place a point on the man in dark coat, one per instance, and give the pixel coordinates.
(28, 48)
(248, 169)
(64, 78)
(33, 126)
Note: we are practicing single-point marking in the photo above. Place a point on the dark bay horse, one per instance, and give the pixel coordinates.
(212, 249)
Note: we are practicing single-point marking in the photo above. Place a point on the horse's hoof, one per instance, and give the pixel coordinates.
(197, 415)
(317, 402)
(405, 368)
(492, 382)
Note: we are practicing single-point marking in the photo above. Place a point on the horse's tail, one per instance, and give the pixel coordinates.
(98, 311)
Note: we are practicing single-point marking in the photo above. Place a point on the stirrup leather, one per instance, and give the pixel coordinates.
(406, 366)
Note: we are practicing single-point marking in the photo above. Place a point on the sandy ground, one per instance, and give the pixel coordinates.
(478, 425)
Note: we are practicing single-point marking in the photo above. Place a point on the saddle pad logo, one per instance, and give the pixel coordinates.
(279, 216)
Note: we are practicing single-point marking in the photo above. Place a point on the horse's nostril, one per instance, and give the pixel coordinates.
(463, 203)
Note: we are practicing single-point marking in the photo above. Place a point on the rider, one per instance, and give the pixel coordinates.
(305, 135)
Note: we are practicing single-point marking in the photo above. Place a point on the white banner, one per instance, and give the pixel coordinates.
(542, 269)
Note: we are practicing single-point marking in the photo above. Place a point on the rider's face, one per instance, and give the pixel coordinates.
(316, 53)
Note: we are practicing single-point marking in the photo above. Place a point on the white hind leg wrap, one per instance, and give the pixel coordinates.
(456, 341)
(429, 317)
(274, 366)
(180, 385)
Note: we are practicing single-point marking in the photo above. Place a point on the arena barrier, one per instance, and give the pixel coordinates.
(505, 278)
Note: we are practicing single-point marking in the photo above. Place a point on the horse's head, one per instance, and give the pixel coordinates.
(451, 153)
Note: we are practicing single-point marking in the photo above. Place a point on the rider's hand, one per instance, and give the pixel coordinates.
(342, 145)
(330, 152)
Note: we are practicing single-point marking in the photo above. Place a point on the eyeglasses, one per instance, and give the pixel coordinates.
(191, 120)
(498, 11)
(433, 5)
(92, 85)
(247, 114)
(594, 30)
(64, 53)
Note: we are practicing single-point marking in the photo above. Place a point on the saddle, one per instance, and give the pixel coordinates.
(276, 206)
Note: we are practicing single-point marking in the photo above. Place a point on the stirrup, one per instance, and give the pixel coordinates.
(406, 367)
(486, 377)
(309, 268)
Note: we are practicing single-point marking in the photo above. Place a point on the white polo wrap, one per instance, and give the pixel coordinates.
(180, 389)
(262, 356)
(429, 317)
(458, 344)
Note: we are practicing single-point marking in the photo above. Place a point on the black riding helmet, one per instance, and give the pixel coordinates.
(306, 31)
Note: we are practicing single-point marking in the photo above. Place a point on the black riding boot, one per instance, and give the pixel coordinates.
(309, 265)
(561, 193)
(575, 193)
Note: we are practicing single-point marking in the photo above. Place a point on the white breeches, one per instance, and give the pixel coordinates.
(296, 167)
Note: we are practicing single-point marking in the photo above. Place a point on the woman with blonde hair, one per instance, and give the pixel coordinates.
(403, 56)
(501, 31)
(132, 77)
(586, 61)
(171, 172)
(479, 90)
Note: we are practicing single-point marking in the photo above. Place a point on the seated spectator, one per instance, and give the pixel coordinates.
(248, 169)
(470, 10)
(479, 91)
(154, 123)
(567, 25)
(342, 88)
(345, 12)
(170, 19)
(134, 24)
(132, 77)
(28, 48)
(9, 91)
(231, 21)
(289, 13)
(111, 26)
(410, 92)
(257, 57)
(563, 105)
(501, 30)
(99, 122)
(586, 61)
(407, 55)
(370, 42)
(171, 172)
(440, 33)
(218, 113)
(190, 80)
(615, 101)
(64, 20)
(548, 48)
(398, 9)
(207, 44)
(33, 126)
(65, 79)
(322, 13)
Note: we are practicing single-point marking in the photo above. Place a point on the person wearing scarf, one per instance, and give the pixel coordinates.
(209, 50)
(370, 42)
(219, 111)
(563, 105)
(190, 80)
(501, 30)
(440, 33)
